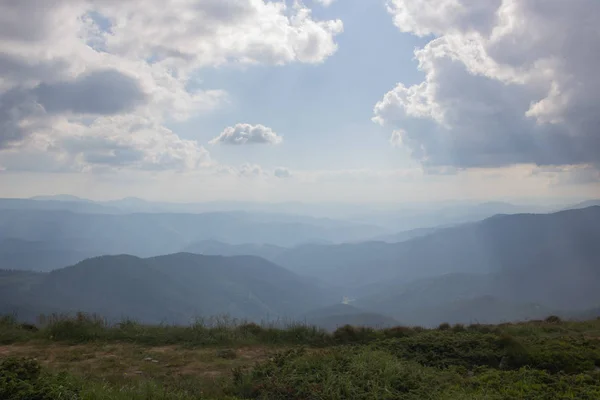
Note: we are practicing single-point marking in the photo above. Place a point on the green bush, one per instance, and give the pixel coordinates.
(350, 334)
(11, 331)
(81, 328)
(444, 326)
(342, 373)
(22, 379)
(553, 319)
(443, 349)
(398, 332)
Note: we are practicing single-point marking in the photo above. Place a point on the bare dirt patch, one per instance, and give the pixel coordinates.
(125, 361)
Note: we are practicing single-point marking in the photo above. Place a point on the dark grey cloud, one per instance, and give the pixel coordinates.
(17, 106)
(22, 69)
(508, 83)
(100, 92)
(30, 20)
(24, 111)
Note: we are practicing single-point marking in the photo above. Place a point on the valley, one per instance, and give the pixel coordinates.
(267, 268)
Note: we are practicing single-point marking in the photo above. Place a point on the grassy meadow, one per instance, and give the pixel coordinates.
(83, 357)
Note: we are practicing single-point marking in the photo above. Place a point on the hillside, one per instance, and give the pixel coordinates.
(174, 288)
(508, 267)
(559, 249)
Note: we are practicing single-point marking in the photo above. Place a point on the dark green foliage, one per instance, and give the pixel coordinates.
(22, 379)
(11, 331)
(222, 331)
(563, 354)
(444, 326)
(553, 319)
(469, 349)
(351, 334)
(530, 384)
(363, 373)
(445, 348)
(250, 329)
(81, 328)
(398, 332)
(342, 373)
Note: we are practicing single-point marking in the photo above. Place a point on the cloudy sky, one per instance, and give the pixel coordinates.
(314, 100)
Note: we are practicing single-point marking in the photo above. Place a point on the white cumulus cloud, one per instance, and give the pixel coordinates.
(325, 3)
(506, 82)
(241, 134)
(94, 82)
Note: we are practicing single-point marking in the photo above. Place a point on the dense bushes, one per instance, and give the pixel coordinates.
(342, 373)
(84, 328)
(22, 379)
(366, 373)
(548, 359)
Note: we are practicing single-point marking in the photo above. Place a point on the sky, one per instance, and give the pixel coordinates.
(322, 100)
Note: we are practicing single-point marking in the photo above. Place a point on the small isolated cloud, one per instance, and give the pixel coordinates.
(250, 171)
(247, 134)
(325, 3)
(282, 173)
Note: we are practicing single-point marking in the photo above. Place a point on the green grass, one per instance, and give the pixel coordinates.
(83, 328)
(85, 358)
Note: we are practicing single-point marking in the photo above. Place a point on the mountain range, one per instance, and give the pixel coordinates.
(506, 267)
(173, 288)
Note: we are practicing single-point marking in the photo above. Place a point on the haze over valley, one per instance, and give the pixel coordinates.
(380, 162)
(61, 257)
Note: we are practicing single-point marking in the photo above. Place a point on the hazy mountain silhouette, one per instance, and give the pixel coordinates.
(174, 288)
(470, 298)
(584, 204)
(154, 234)
(562, 245)
(404, 236)
(72, 205)
(216, 248)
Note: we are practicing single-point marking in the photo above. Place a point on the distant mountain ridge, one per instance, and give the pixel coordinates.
(498, 243)
(173, 288)
(502, 268)
(155, 234)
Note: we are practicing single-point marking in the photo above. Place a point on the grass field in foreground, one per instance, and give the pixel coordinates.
(82, 358)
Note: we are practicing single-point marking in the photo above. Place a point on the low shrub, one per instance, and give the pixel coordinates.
(23, 379)
(348, 334)
(444, 326)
